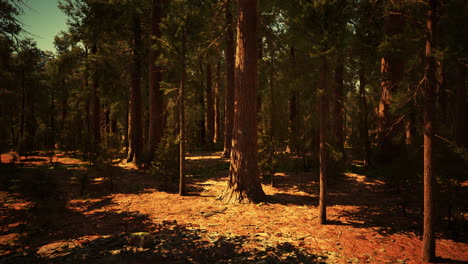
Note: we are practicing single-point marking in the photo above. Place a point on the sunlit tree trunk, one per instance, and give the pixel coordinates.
(428, 252)
(244, 182)
(229, 96)
(156, 102)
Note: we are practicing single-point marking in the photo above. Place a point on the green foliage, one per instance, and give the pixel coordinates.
(165, 165)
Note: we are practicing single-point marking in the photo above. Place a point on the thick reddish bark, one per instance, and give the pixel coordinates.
(209, 106)
(229, 97)
(428, 251)
(244, 182)
(156, 101)
(323, 155)
(201, 100)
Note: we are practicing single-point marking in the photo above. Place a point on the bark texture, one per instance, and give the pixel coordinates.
(244, 182)
(428, 250)
(182, 187)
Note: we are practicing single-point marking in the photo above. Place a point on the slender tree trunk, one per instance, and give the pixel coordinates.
(338, 106)
(293, 111)
(229, 97)
(96, 108)
(182, 187)
(323, 155)
(441, 92)
(364, 131)
(209, 106)
(135, 126)
(460, 106)
(156, 101)
(216, 104)
(428, 252)
(23, 113)
(244, 182)
(201, 122)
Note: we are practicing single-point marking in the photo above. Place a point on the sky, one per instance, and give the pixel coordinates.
(43, 20)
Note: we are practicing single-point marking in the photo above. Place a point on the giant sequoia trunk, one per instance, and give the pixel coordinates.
(229, 97)
(135, 122)
(428, 250)
(392, 68)
(244, 182)
(156, 107)
(323, 153)
(209, 106)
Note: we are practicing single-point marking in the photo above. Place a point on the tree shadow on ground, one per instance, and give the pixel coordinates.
(169, 242)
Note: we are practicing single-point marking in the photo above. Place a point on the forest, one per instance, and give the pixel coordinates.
(248, 131)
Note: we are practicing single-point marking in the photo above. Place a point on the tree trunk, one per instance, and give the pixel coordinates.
(338, 106)
(135, 126)
(363, 126)
(229, 97)
(244, 182)
(441, 92)
(52, 119)
(460, 106)
(182, 187)
(209, 106)
(201, 122)
(293, 98)
(392, 68)
(96, 108)
(323, 159)
(216, 104)
(428, 251)
(156, 101)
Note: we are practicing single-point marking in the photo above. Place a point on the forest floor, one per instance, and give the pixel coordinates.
(52, 213)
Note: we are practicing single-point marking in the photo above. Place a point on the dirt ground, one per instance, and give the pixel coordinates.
(124, 215)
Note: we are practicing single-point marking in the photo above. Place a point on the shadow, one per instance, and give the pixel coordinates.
(290, 199)
(169, 242)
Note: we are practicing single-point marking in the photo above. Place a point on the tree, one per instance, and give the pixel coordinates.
(135, 123)
(156, 103)
(244, 182)
(229, 97)
(209, 106)
(429, 104)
